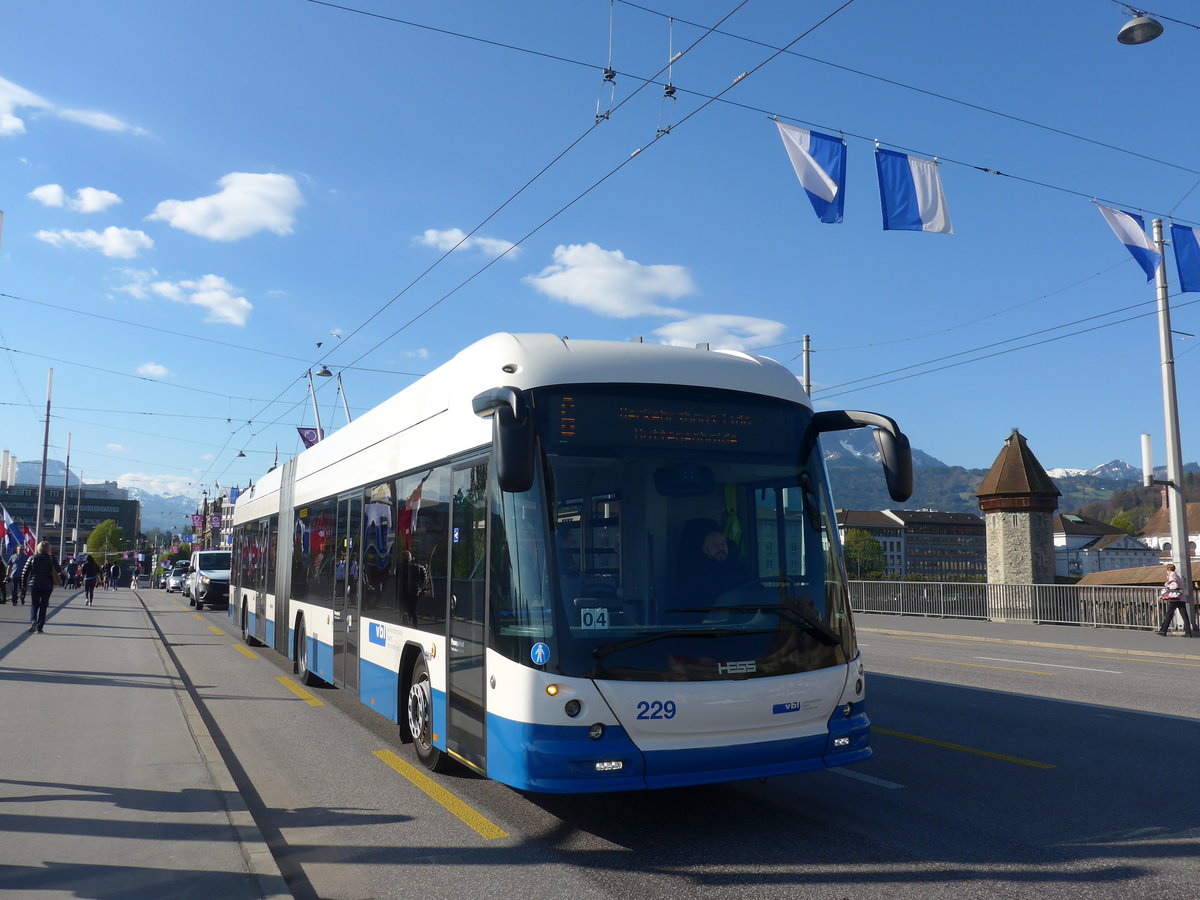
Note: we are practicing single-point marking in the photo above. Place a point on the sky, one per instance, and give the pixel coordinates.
(204, 201)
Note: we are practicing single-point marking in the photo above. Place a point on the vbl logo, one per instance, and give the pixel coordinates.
(378, 634)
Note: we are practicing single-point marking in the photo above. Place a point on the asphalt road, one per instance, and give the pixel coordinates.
(1001, 769)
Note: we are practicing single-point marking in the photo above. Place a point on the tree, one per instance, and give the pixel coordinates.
(1124, 521)
(864, 555)
(106, 539)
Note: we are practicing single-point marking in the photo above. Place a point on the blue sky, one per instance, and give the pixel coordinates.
(247, 180)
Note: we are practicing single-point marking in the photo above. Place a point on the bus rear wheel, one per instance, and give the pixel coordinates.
(306, 677)
(420, 719)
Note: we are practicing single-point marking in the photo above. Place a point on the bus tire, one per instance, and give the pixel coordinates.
(250, 641)
(419, 715)
(307, 678)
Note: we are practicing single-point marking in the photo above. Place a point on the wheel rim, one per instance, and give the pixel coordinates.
(302, 655)
(419, 712)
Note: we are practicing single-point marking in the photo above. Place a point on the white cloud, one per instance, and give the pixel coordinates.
(419, 353)
(120, 243)
(115, 448)
(723, 332)
(167, 485)
(247, 203)
(139, 281)
(456, 239)
(211, 292)
(608, 284)
(86, 200)
(99, 120)
(14, 97)
(153, 370)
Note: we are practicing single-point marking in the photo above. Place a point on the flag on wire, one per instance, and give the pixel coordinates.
(1186, 242)
(310, 436)
(1132, 232)
(910, 190)
(820, 164)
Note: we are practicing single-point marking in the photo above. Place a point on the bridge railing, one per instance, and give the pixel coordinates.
(1099, 606)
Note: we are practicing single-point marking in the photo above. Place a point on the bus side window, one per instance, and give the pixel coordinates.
(423, 527)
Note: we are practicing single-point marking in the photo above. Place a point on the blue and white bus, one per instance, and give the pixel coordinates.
(575, 566)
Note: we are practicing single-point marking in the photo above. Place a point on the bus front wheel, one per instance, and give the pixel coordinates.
(306, 677)
(420, 719)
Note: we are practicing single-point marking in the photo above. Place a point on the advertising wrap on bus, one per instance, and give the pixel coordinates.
(572, 583)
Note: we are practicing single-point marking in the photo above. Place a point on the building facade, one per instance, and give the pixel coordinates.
(1083, 546)
(90, 504)
(924, 544)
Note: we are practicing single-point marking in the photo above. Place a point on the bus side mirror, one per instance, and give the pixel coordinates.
(512, 436)
(895, 453)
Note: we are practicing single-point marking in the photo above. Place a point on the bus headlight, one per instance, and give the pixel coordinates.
(596, 731)
(573, 708)
(847, 710)
(610, 765)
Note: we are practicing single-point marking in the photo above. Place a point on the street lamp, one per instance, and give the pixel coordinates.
(1141, 29)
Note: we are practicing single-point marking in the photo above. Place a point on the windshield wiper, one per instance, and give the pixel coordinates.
(601, 652)
(805, 620)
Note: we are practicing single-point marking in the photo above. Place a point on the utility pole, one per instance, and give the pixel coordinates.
(37, 526)
(62, 523)
(1178, 511)
(805, 374)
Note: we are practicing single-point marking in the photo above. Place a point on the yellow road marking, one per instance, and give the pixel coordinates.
(299, 691)
(198, 617)
(215, 630)
(475, 820)
(950, 662)
(1153, 662)
(948, 746)
(245, 651)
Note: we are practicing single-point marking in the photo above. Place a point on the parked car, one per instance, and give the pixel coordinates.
(175, 578)
(208, 578)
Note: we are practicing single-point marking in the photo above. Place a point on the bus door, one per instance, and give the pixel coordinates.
(468, 568)
(345, 592)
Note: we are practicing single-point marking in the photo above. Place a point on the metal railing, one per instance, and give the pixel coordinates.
(1099, 606)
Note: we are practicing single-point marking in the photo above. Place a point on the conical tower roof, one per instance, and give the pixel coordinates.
(1017, 481)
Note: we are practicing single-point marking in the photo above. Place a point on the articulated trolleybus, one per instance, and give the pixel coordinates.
(575, 566)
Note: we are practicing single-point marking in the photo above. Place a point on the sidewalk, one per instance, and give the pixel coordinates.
(1071, 637)
(110, 785)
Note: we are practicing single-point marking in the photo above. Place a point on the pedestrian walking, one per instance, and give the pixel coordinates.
(40, 575)
(114, 577)
(1172, 595)
(3, 580)
(90, 572)
(18, 570)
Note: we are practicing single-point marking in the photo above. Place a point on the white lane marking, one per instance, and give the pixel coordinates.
(1050, 665)
(869, 779)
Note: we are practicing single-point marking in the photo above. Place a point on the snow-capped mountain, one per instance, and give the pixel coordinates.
(166, 513)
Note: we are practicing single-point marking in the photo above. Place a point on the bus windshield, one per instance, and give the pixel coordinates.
(687, 540)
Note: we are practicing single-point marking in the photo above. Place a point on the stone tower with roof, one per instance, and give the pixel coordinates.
(1018, 499)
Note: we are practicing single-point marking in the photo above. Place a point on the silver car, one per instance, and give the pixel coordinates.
(175, 579)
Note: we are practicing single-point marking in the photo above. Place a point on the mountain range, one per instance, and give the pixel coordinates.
(851, 457)
(857, 482)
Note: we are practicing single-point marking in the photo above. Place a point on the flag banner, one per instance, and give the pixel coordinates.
(234, 493)
(30, 540)
(214, 521)
(1132, 232)
(820, 164)
(1186, 242)
(9, 536)
(310, 436)
(198, 521)
(910, 190)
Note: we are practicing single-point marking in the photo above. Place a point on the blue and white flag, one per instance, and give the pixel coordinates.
(820, 164)
(910, 189)
(1186, 242)
(1131, 230)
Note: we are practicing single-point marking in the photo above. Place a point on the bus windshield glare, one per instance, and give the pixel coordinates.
(688, 542)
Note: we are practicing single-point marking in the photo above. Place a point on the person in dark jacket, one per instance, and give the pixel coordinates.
(17, 569)
(38, 581)
(4, 580)
(90, 572)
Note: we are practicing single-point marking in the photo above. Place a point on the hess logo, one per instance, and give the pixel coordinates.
(743, 667)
